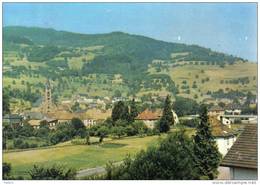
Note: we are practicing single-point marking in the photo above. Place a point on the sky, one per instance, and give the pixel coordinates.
(226, 27)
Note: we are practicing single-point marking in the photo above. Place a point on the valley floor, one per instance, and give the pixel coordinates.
(77, 156)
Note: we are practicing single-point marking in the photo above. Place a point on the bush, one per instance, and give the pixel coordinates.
(33, 145)
(18, 143)
(185, 106)
(130, 131)
(52, 173)
(6, 170)
(189, 122)
(78, 141)
(163, 162)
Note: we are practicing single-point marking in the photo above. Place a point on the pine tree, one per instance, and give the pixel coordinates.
(205, 148)
(167, 116)
(133, 111)
(120, 111)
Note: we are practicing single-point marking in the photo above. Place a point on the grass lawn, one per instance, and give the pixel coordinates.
(77, 156)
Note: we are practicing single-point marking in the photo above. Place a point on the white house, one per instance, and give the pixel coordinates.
(225, 143)
(242, 157)
(233, 109)
(149, 117)
(89, 122)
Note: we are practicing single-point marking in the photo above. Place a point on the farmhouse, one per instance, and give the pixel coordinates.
(89, 122)
(13, 119)
(33, 115)
(216, 111)
(242, 157)
(233, 109)
(35, 123)
(150, 117)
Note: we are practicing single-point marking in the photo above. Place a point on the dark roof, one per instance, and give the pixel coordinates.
(243, 153)
(215, 108)
(233, 107)
(13, 118)
(34, 115)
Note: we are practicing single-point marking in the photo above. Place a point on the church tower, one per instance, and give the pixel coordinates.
(47, 98)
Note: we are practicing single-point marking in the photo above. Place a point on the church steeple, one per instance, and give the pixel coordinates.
(47, 98)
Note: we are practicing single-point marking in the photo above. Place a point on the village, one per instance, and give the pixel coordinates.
(226, 123)
(130, 91)
(99, 110)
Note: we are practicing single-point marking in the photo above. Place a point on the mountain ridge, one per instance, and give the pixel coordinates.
(26, 30)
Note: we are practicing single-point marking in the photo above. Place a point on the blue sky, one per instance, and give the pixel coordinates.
(226, 27)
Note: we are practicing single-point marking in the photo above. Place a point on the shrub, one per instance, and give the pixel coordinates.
(52, 173)
(189, 122)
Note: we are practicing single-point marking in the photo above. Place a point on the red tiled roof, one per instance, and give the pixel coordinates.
(243, 153)
(149, 115)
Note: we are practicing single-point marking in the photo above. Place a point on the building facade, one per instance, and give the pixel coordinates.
(242, 157)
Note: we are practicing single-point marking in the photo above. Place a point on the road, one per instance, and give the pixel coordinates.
(94, 171)
(91, 171)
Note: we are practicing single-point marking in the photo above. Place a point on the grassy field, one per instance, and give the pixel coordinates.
(196, 73)
(77, 156)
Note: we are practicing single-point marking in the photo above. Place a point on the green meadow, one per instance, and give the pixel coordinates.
(77, 156)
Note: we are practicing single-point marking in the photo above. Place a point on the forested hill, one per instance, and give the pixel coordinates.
(104, 64)
(139, 47)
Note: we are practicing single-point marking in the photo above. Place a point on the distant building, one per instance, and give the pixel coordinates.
(13, 119)
(33, 115)
(216, 111)
(37, 118)
(233, 109)
(242, 157)
(89, 122)
(150, 117)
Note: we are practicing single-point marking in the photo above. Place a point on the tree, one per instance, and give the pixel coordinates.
(139, 127)
(52, 173)
(102, 132)
(120, 111)
(25, 130)
(79, 127)
(167, 116)
(205, 148)
(185, 106)
(87, 138)
(117, 93)
(75, 107)
(194, 85)
(162, 162)
(130, 131)
(133, 111)
(6, 104)
(6, 170)
(118, 131)
(63, 132)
